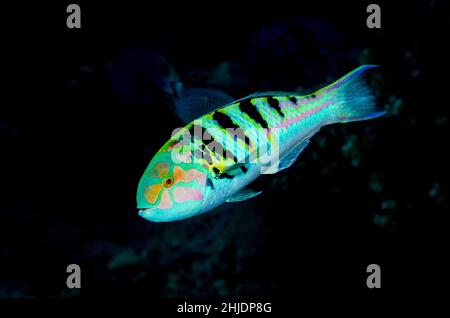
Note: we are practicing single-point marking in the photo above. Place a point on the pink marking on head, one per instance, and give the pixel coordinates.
(183, 194)
(166, 202)
(189, 175)
(197, 175)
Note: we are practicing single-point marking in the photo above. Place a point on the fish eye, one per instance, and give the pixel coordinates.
(168, 182)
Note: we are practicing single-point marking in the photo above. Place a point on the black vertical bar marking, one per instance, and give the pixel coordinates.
(246, 106)
(221, 175)
(227, 123)
(209, 183)
(224, 120)
(275, 104)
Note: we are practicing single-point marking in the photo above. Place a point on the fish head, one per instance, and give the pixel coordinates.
(170, 191)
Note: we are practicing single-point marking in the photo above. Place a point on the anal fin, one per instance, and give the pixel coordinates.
(243, 195)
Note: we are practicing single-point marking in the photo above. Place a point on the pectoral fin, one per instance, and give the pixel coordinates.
(288, 159)
(233, 167)
(292, 156)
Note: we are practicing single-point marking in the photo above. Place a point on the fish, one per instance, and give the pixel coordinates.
(229, 143)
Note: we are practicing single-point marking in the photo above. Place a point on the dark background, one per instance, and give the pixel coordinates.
(88, 113)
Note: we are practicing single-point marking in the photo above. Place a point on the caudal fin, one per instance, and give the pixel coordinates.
(354, 99)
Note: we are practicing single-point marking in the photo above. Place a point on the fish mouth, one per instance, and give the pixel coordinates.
(151, 214)
(158, 215)
(145, 213)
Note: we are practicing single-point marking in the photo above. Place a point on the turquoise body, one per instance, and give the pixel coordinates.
(261, 133)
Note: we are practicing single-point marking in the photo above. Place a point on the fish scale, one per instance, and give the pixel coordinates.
(299, 116)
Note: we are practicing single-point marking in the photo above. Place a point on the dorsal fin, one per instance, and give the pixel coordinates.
(268, 93)
(196, 102)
